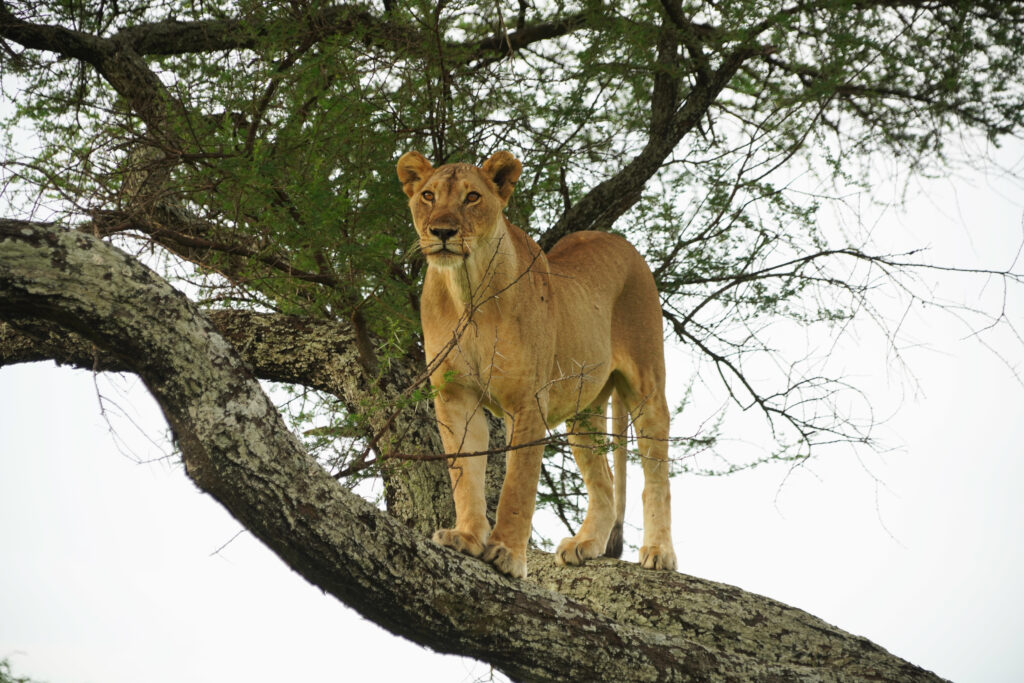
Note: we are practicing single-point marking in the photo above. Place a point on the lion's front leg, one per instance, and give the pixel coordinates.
(506, 549)
(463, 429)
(471, 529)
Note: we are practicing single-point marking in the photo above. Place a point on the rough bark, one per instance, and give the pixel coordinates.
(318, 354)
(606, 621)
(321, 355)
(777, 642)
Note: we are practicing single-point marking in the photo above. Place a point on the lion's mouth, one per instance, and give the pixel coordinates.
(445, 251)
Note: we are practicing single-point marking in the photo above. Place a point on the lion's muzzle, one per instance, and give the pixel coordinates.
(443, 241)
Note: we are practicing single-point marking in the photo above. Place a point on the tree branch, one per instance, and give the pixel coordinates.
(670, 122)
(171, 37)
(317, 354)
(117, 63)
(613, 621)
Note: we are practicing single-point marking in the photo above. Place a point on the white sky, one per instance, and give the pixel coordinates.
(109, 571)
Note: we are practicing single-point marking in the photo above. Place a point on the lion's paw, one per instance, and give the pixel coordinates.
(657, 557)
(575, 551)
(470, 544)
(504, 560)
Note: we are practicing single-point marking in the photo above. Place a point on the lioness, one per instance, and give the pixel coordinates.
(536, 339)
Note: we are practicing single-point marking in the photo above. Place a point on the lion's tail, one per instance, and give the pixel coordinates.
(619, 425)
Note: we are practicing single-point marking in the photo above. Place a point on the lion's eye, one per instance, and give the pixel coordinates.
(472, 197)
(429, 196)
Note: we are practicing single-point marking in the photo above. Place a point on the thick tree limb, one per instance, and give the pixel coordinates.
(787, 642)
(318, 354)
(119, 65)
(279, 348)
(171, 37)
(613, 622)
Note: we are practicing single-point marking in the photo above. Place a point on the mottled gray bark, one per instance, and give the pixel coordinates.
(606, 621)
(766, 640)
(289, 349)
(320, 355)
(317, 354)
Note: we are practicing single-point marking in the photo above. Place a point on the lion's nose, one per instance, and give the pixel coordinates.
(443, 234)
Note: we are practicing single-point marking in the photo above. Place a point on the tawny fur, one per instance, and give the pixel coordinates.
(537, 339)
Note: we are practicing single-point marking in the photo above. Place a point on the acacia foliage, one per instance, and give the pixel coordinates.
(256, 141)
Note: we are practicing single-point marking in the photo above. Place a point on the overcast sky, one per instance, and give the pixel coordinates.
(113, 571)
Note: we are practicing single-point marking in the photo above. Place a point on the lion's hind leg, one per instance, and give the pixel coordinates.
(586, 436)
(651, 421)
(619, 423)
(643, 394)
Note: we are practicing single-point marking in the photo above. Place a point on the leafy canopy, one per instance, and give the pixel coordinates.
(257, 141)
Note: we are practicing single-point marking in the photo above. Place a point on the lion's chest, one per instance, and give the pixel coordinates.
(527, 344)
(495, 361)
(511, 363)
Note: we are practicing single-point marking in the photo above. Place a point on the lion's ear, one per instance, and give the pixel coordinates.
(413, 168)
(503, 169)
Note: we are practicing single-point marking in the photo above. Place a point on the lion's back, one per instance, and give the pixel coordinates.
(605, 290)
(604, 266)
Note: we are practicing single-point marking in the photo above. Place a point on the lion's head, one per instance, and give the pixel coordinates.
(455, 207)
